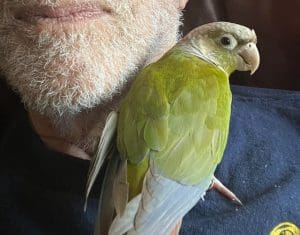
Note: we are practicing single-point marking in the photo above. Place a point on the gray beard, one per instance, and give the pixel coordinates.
(64, 74)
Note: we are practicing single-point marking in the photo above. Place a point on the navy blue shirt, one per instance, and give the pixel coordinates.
(42, 191)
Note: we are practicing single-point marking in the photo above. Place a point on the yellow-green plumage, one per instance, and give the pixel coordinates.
(177, 112)
(172, 130)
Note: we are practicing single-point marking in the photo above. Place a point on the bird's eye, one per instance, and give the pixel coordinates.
(228, 41)
(225, 41)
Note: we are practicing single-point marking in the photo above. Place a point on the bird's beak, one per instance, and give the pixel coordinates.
(249, 58)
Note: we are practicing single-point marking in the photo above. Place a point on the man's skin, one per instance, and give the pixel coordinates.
(71, 60)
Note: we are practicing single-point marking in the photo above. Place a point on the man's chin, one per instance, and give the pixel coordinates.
(57, 95)
(58, 107)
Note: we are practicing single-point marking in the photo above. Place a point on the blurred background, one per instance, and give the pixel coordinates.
(277, 25)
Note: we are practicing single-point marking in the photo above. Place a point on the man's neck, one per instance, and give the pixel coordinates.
(77, 135)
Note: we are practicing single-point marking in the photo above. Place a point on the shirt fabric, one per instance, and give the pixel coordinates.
(42, 191)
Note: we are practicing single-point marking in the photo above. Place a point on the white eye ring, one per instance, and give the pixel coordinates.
(228, 41)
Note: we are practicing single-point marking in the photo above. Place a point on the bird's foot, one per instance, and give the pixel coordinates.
(216, 184)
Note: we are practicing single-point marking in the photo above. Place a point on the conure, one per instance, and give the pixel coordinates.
(171, 132)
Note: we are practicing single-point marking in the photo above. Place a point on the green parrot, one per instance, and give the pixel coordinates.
(171, 131)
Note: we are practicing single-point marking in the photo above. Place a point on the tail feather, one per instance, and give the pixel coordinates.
(159, 207)
(164, 202)
(103, 149)
(121, 188)
(106, 208)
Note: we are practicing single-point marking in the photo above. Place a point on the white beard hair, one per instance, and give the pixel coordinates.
(46, 74)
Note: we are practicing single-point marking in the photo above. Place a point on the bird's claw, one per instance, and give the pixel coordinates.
(216, 184)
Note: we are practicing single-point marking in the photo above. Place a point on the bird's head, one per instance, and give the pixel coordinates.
(228, 45)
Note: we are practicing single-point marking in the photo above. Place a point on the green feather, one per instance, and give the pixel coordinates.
(178, 112)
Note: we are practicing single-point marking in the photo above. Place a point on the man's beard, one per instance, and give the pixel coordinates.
(59, 73)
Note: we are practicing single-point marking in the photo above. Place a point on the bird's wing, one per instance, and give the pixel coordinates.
(143, 117)
(198, 124)
(180, 115)
(142, 126)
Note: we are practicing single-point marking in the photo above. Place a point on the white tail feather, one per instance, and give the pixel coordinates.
(104, 146)
(162, 203)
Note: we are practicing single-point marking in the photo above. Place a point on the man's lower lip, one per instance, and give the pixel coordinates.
(42, 15)
(72, 18)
